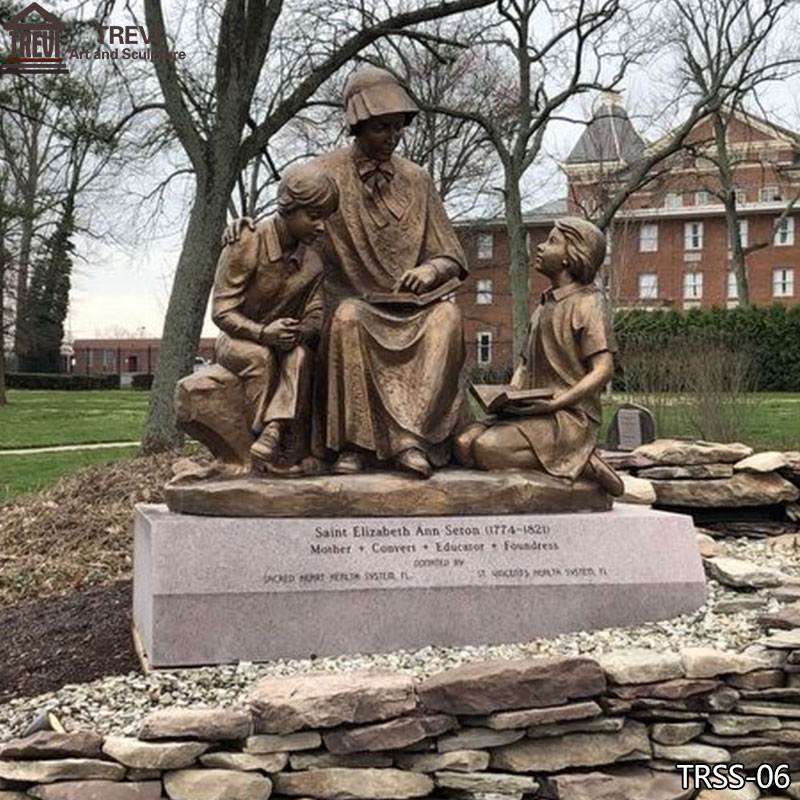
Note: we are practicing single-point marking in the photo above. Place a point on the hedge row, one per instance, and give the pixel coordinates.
(770, 333)
(60, 381)
(143, 380)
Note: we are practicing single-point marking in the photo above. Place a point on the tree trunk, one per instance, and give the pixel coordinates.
(28, 221)
(3, 398)
(183, 323)
(519, 263)
(738, 259)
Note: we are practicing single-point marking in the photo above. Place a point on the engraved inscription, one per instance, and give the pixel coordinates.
(356, 555)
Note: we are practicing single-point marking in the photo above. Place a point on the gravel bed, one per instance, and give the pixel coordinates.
(117, 704)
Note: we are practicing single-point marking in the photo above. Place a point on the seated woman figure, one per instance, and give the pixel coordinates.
(568, 350)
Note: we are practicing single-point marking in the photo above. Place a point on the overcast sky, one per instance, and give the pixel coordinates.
(124, 288)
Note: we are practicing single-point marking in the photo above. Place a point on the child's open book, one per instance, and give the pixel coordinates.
(494, 397)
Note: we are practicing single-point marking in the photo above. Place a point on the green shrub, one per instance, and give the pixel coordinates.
(769, 335)
(59, 381)
(142, 381)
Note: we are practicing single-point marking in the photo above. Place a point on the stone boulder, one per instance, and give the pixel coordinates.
(679, 452)
(706, 662)
(455, 761)
(638, 490)
(64, 769)
(622, 784)
(206, 724)
(763, 462)
(392, 735)
(743, 489)
(638, 665)
(151, 755)
(695, 472)
(574, 750)
(48, 744)
(98, 790)
(216, 784)
(285, 705)
(532, 717)
(741, 574)
(489, 782)
(354, 784)
(491, 686)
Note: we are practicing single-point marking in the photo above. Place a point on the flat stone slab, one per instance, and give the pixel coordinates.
(214, 590)
(743, 489)
(379, 494)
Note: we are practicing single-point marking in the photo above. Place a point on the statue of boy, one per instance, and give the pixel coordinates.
(268, 304)
(568, 351)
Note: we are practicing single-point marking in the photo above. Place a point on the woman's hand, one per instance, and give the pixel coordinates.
(419, 279)
(233, 230)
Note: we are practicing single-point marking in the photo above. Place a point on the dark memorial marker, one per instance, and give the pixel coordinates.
(633, 425)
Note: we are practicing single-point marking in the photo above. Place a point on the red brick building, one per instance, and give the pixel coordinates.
(669, 242)
(123, 356)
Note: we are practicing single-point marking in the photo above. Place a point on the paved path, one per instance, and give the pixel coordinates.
(24, 451)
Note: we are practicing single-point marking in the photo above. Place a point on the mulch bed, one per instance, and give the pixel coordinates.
(64, 640)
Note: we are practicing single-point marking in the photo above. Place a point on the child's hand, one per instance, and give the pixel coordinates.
(282, 333)
(530, 408)
(233, 230)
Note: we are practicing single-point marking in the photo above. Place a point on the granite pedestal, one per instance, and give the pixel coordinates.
(210, 590)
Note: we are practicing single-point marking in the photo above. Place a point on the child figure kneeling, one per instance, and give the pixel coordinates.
(268, 303)
(568, 350)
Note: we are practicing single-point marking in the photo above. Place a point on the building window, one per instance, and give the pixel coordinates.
(783, 282)
(648, 239)
(784, 233)
(109, 358)
(692, 285)
(733, 286)
(702, 198)
(769, 194)
(693, 236)
(485, 246)
(483, 293)
(672, 200)
(741, 197)
(484, 355)
(743, 233)
(90, 358)
(648, 286)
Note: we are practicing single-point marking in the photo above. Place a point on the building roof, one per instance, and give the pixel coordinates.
(609, 136)
(538, 215)
(546, 212)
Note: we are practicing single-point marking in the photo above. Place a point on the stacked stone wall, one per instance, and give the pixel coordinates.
(571, 728)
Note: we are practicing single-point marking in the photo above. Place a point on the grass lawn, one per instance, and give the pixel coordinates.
(768, 422)
(30, 473)
(43, 418)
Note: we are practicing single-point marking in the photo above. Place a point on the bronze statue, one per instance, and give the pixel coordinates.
(566, 362)
(389, 384)
(269, 307)
(362, 259)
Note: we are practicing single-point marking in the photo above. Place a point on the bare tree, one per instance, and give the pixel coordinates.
(538, 58)
(318, 41)
(56, 147)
